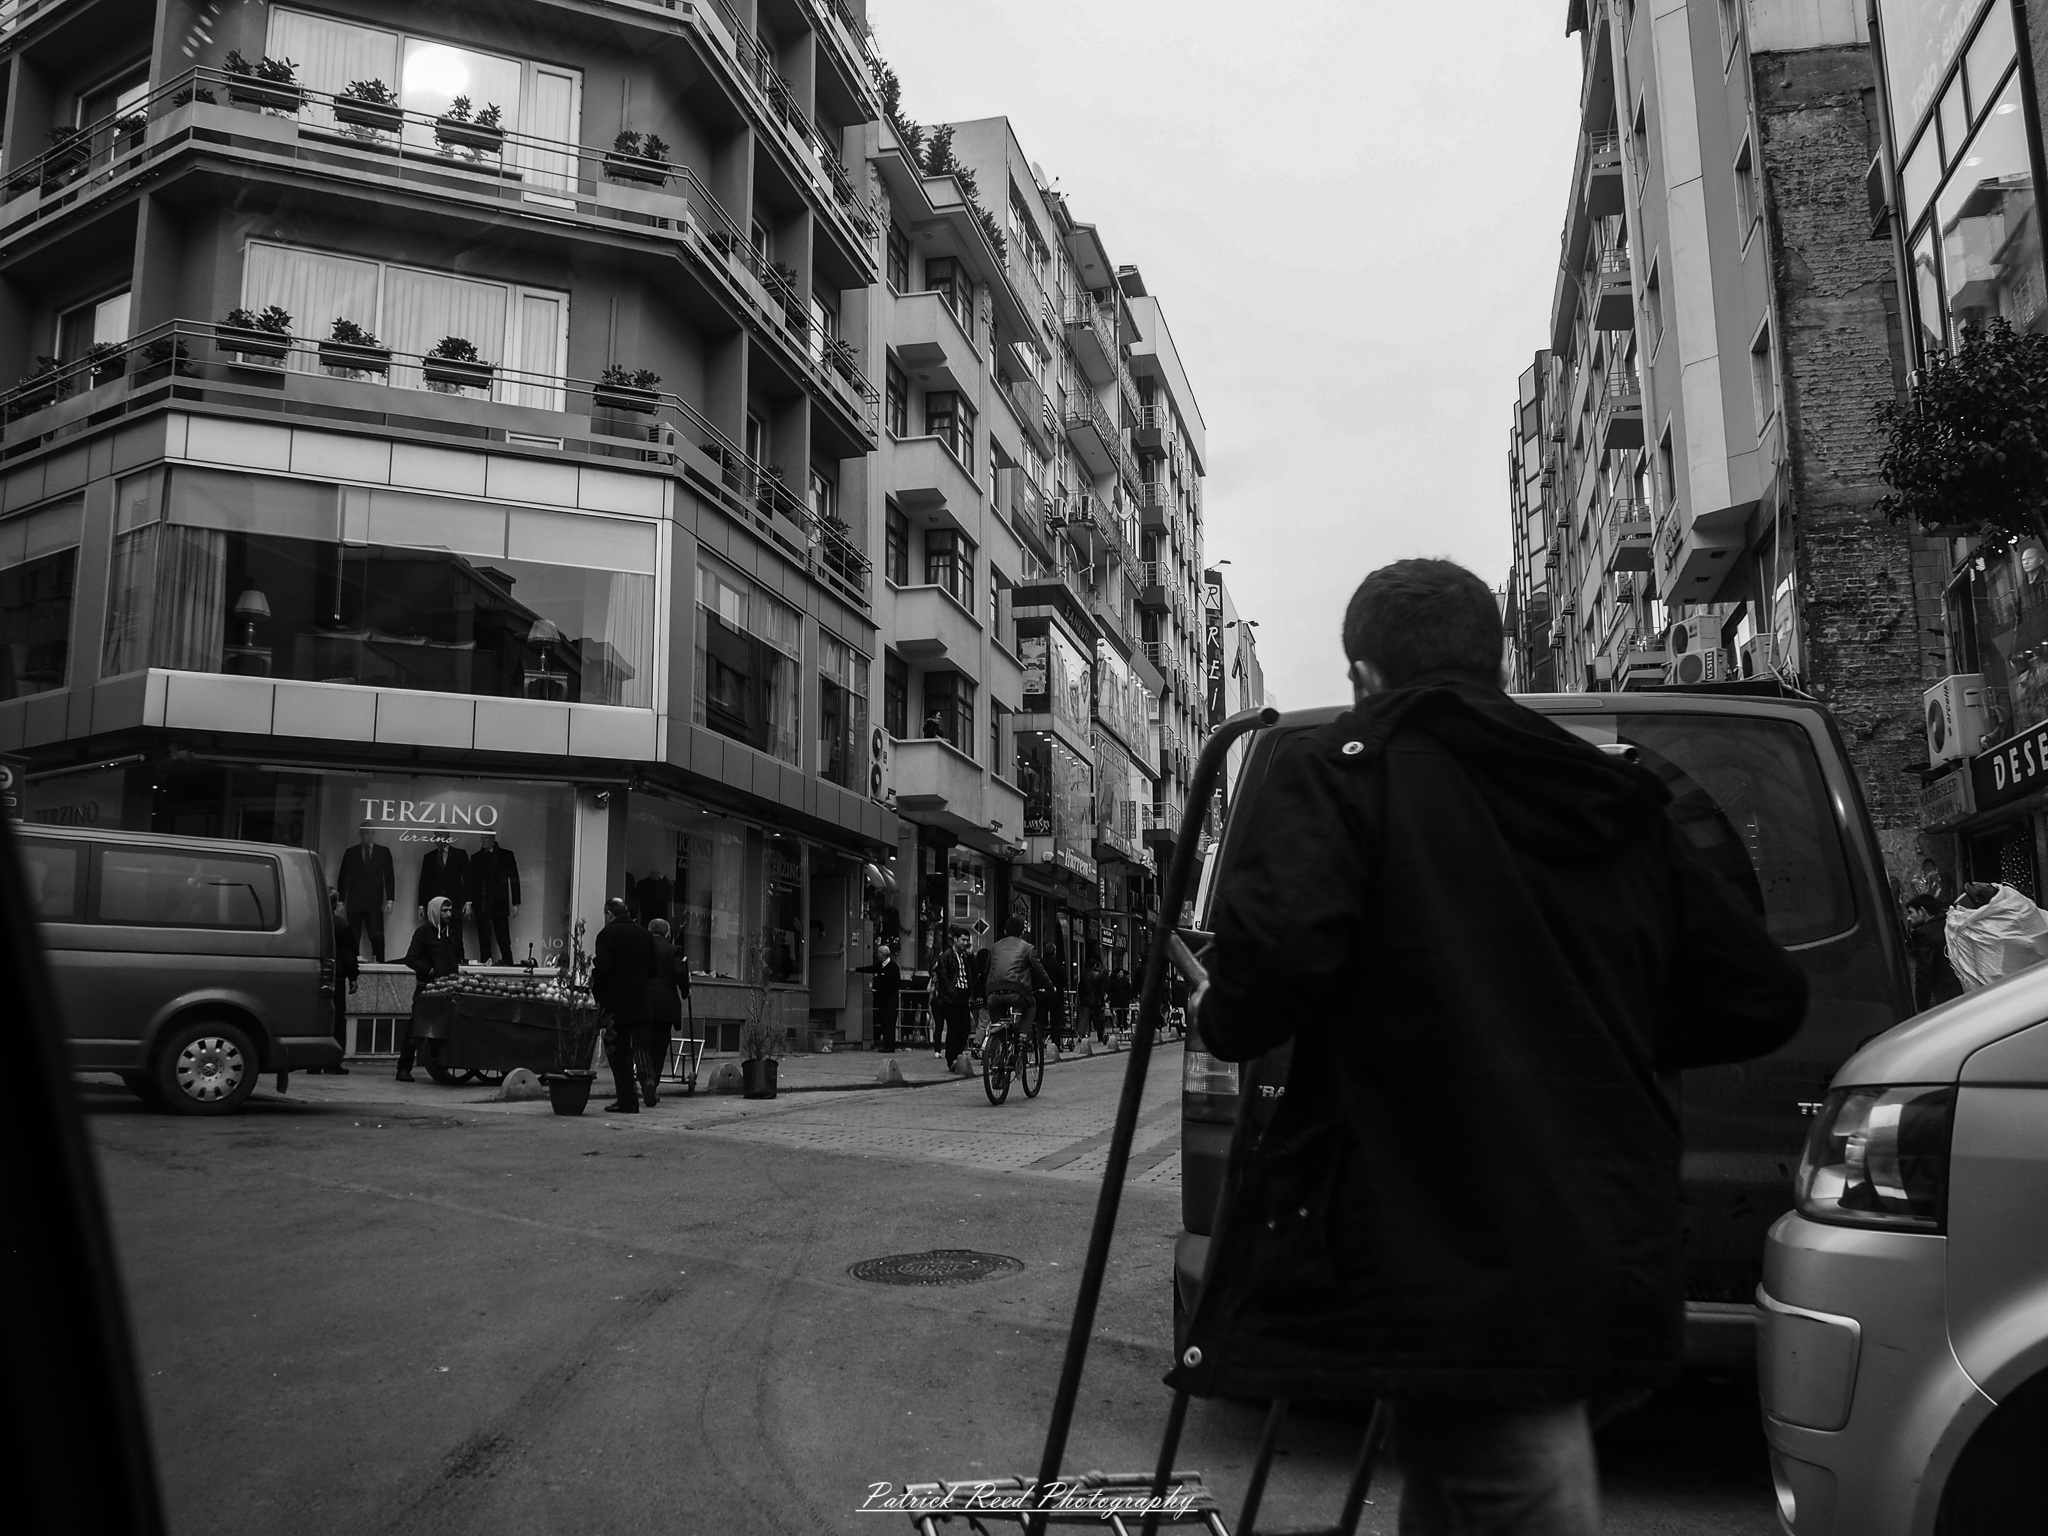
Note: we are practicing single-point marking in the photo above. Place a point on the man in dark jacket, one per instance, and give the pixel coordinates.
(888, 993)
(622, 964)
(444, 871)
(435, 951)
(1485, 939)
(952, 997)
(665, 994)
(494, 894)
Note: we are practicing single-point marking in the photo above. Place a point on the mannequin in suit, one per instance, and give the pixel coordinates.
(367, 886)
(494, 893)
(444, 871)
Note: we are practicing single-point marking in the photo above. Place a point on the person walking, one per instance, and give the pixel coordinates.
(622, 965)
(1094, 987)
(952, 997)
(888, 986)
(347, 967)
(435, 951)
(1485, 939)
(1119, 998)
(665, 994)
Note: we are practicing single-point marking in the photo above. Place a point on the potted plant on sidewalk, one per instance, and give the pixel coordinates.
(353, 351)
(628, 389)
(370, 105)
(760, 1037)
(453, 364)
(634, 157)
(270, 84)
(576, 1038)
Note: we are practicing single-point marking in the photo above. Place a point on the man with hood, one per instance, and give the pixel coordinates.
(1485, 939)
(435, 951)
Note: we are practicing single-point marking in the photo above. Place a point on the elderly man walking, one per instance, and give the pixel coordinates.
(622, 965)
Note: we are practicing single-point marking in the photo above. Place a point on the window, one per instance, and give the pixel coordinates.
(949, 563)
(896, 549)
(174, 888)
(899, 259)
(842, 711)
(80, 330)
(998, 720)
(1747, 211)
(895, 696)
(824, 327)
(949, 280)
(824, 498)
(222, 572)
(525, 331)
(1667, 472)
(949, 710)
(747, 649)
(38, 572)
(54, 873)
(1731, 26)
(896, 407)
(125, 92)
(1763, 381)
(950, 418)
(1653, 310)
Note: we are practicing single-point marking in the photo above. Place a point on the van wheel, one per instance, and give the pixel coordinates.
(207, 1067)
(1996, 1487)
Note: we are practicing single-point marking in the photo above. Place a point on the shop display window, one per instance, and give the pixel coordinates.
(38, 571)
(782, 929)
(216, 572)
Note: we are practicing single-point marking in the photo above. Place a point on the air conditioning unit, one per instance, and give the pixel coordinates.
(1695, 648)
(1763, 656)
(1954, 708)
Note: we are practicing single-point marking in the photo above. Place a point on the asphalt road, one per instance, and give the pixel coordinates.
(373, 1307)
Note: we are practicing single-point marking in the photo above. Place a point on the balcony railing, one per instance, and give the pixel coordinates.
(1629, 517)
(16, 14)
(191, 360)
(550, 176)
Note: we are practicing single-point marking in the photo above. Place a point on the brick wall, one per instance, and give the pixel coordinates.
(1836, 306)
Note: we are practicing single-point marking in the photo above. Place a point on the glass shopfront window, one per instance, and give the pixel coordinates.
(1990, 227)
(1120, 698)
(1921, 37)
(969, 890)
(842, 712)
(747, 649)
(216, 572)
(719, 883)
(38, 571)
(782, 926)
(1056, 676)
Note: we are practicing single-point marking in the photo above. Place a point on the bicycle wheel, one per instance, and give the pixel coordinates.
(995, 1066)
(1031, 1063)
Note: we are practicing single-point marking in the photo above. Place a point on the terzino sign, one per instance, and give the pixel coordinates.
(449, 813)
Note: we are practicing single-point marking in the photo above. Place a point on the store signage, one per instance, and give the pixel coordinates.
(1213, 660)
(1947, 800)
(2013, 769)
(451, 811)
(11, 781)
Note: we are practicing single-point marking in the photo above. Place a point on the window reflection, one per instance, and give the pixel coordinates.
(1990, 229)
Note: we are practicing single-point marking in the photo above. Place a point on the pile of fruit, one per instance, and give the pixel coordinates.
(542, 987)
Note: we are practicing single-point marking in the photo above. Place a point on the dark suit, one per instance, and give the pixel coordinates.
(494, 891)
(347, 966)
(367, 882)
(444, 871)
(888, 989)
(622, 965)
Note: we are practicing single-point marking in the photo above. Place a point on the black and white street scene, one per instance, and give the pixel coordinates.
(810, 766)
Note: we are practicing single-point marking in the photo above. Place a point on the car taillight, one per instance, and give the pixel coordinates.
(1878, 1157)
(1208, 1076)
(327, 976)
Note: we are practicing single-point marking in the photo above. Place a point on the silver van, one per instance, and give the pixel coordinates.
(190, 966)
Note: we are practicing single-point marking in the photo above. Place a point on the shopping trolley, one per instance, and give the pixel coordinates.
(685, 1051)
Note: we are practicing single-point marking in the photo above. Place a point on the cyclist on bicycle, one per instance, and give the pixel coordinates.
(1015, 975)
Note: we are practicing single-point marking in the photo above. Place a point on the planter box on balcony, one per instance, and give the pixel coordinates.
(653, 173)
(626, 397)
(247, 91)
(109, 369)
(460, 135)
(267, 346)
(347, 357)
(34, 397)
(369, 114)
(456, 374)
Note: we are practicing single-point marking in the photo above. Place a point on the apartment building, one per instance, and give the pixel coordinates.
(1693, 463)
(446, 422)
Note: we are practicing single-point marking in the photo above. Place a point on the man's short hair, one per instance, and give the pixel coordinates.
(659, 927)
(615, 906)
(1415, 617)
(1014, 928)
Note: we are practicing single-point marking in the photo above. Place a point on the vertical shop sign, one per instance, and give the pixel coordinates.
(1213, 627)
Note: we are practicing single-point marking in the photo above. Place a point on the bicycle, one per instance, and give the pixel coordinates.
(1007, 1053)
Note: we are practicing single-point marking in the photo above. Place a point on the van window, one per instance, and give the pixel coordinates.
(175, 888)
(1749, 796)
(55, 875)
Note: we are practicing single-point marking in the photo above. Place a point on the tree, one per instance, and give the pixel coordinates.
(1968, 453)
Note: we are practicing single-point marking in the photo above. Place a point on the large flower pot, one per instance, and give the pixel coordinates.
(275, 95)
(569, 1092)
(452, 133)
(348, 357)
(652, 173)
(758, 1078)
(626, 397)
(375, 115)
(454, 373)
(270, 346)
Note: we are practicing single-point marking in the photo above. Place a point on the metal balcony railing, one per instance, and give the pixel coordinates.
(1621, 384)
(1624, 512)
(1084, 411)
(1084, 314)
(641, 425)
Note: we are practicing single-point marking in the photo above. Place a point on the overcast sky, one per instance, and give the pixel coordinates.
(1350, 211)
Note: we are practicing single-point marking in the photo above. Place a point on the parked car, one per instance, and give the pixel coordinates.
(1763, 788)
(1903, 1357)
(190, 966)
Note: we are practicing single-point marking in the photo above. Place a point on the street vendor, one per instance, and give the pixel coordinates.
(436, 951)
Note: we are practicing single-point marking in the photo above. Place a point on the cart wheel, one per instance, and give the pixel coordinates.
(488, 1079)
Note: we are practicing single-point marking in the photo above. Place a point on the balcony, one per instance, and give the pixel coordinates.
(1093, 435)
(1036, 413)
(1021, 503)
(932, 345)
(1620, 412)
(933, 628)
(939, 785)
(1154, 583)
(1162, 821)
(1127, 467)
(1156, 507)
(849, 43)
(924, 475)
(1628, 520)
(1611, 299)
(1603, 175)
(1088, 524)
(302, 383)
(1091, 332)
(1153, 433)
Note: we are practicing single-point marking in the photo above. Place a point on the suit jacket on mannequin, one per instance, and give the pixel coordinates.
(494, 879)
(444, 871)
(366, 881)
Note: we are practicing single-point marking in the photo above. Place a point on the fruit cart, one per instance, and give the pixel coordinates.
(487, 1020)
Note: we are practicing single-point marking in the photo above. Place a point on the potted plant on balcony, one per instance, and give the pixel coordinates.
(760, 1038)
(353, 351)
(107, 361)
(482, 132)
(265, 335)
(633, 157)
(164, 354)
(628, 389)
(192, 93)
(370, 106)
(128, 131)
(42, 385)
(454, 364)
(69, 153)
(268, 84)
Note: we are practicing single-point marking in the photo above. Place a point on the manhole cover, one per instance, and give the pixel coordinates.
(942, 1266)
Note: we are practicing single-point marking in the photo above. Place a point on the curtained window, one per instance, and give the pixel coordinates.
(747, 649)
(842, 711)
